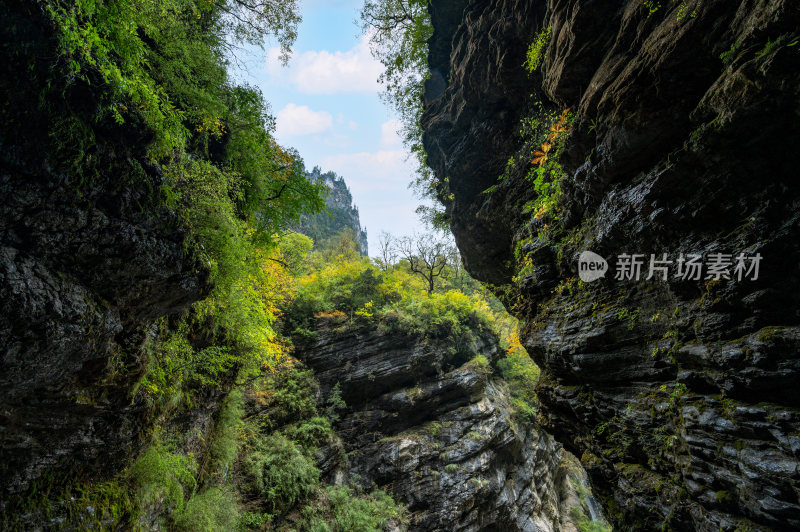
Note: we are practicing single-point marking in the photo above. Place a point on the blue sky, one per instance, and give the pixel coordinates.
(327, 106)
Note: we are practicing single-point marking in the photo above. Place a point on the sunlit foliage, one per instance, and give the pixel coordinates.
(165, 60)
(233, 328)
(362, 290)
(521, 374)
(534, 55)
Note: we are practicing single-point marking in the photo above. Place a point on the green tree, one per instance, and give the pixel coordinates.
(165, 60)
(295, 247)
(399, 31)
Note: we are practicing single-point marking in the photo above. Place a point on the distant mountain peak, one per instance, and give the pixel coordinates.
(340, 212)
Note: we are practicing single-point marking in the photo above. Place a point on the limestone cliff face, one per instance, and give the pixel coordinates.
(82, 279)
(680, 396)
(431, 425)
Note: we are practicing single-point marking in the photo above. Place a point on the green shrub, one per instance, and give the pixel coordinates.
(724, 497)
(771, 46)
(249, 520)
(335, 403)
(451, 468)
(480, 361)
(162, 478)
(546, 181)
(290, 396)
(225, 439)
(524, 409)
(521, 374)
(438, 315)
(340, 510)
(533, 57)
(309, 434)
(214, 510)
(281, 474)
(175, 365)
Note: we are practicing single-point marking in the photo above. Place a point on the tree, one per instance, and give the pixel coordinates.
(386, 248)
(294, 248)
(426, 255)
(165, 59)
(341, 246)
(398, 32)
(251, 21)
(457, 272)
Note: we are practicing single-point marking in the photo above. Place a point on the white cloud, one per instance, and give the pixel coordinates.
(367, 172)
(379, 183)
(295, 120)
(390, 134)
(324, 72)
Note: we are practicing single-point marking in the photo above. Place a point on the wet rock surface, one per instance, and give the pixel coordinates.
(433, 426)
(680, 396)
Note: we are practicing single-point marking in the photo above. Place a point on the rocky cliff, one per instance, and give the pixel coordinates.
(427, 421)
(115, 411)
(679, 393)
(90, 260)
(83, 277)
(340, 214)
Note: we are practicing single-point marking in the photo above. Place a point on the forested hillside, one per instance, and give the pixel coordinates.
(339, 214)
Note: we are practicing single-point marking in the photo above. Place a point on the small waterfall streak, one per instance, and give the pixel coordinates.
(595, 512)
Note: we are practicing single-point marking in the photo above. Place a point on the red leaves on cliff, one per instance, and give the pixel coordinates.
(556, 130)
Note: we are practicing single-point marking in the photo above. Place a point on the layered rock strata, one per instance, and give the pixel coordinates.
(680, 394)
(429, 423)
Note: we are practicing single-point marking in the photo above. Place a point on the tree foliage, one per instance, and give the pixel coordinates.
(156, 71)
(282, 475)
(164, 59)
(358, 289)
(398, 31)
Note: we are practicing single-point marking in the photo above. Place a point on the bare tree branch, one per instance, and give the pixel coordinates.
(426, 255)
